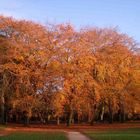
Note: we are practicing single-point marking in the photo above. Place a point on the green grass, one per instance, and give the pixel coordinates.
(35, 136)
(128, 134)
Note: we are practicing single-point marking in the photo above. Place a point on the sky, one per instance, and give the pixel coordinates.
(123, 14)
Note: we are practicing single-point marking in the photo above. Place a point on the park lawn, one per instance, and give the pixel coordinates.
(126, 134)
(35, 136)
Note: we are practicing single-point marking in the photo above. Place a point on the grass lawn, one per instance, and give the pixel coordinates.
(35, 136)
(127, 134)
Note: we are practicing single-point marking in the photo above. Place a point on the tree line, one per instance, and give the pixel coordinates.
(56, 74)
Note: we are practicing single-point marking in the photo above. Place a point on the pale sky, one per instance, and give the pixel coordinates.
(124, 14)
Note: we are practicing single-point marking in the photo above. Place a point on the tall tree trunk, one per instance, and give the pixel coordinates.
(93, 115)
(78, 118)
(27, 121)
(2, 100)
(122, 113)
(102, 113)
(122, 110)
(70, 116)
(110, 111)
(110, 117)
(89, 114)
(58, 120)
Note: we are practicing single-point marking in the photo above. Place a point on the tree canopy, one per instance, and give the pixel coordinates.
(56, 73)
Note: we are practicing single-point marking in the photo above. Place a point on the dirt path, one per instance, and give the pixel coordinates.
(3, 133)
(76, 136)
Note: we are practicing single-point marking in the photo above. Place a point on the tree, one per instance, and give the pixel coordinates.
(54, 72)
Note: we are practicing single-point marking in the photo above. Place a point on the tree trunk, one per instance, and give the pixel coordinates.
(89, 116)
(102, 114)
(69, 121)
(122, 113)
(110, 112)
(2, 109)
(93, 115)
(27, 121)
(58, 120)
(110, 117)
(78, 118)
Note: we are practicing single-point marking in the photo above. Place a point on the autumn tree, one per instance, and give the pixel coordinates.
(53, 72)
